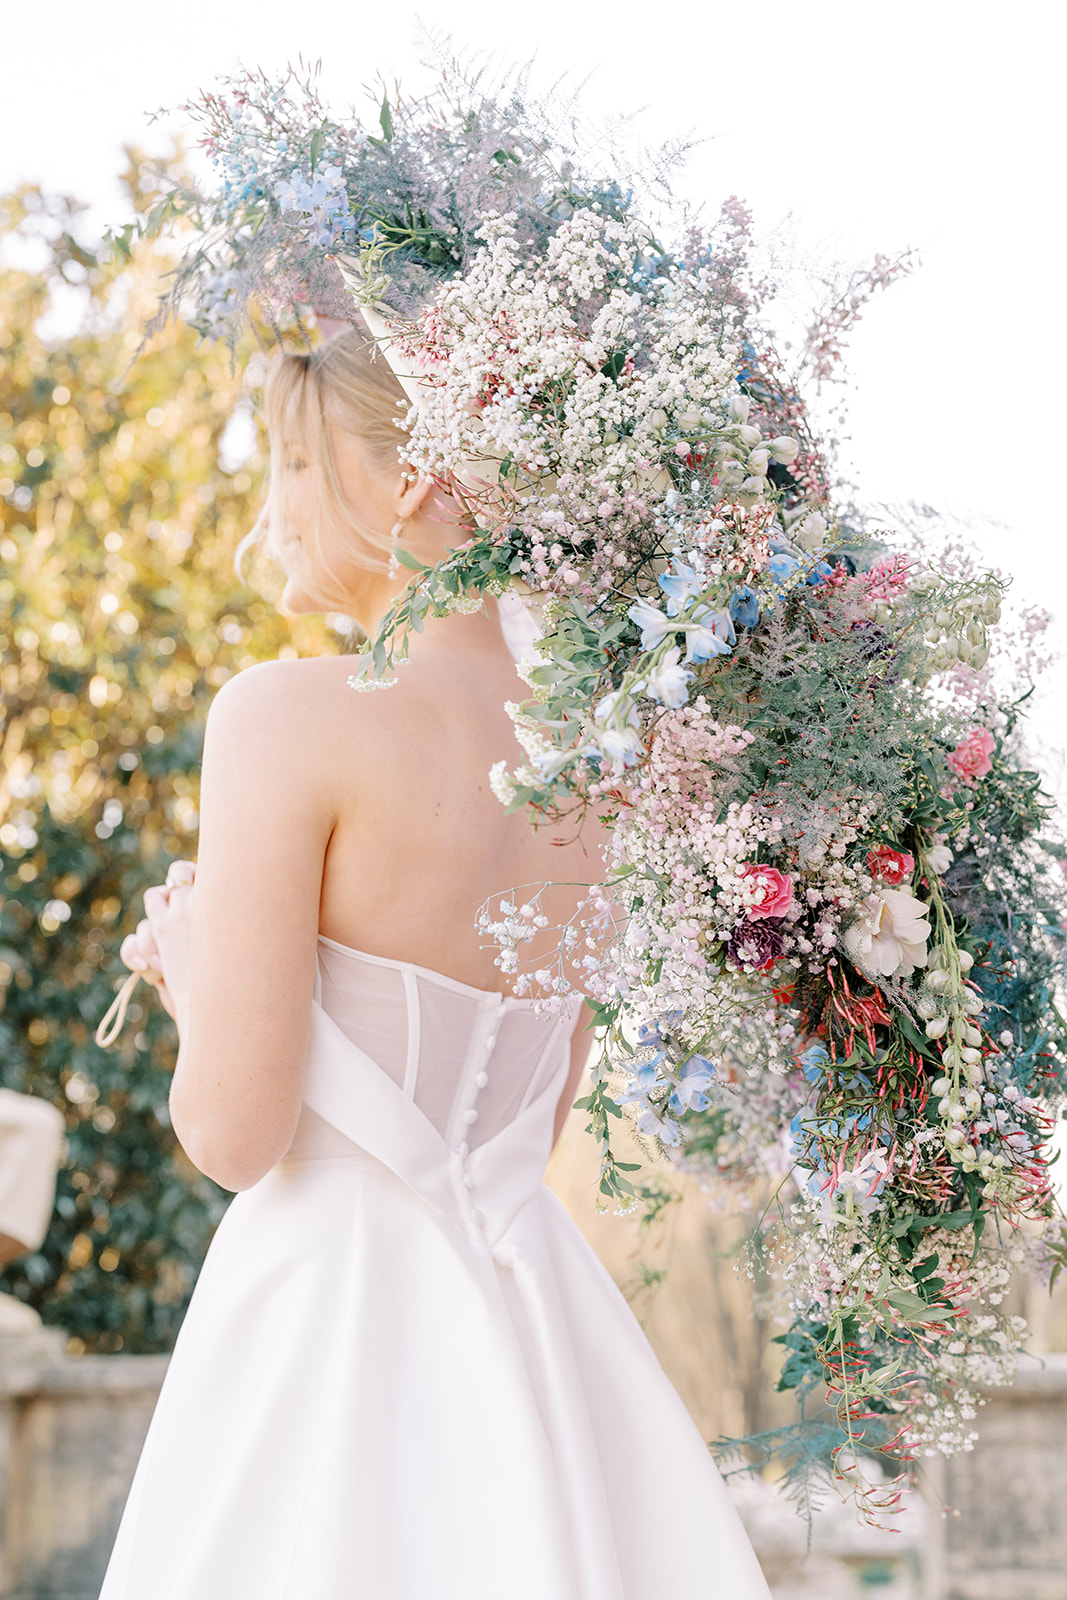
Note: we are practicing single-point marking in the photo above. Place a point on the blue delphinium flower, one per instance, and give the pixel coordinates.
(691, 1091)
(711, 633)
(781, 568)
(323, 202)
(680, 586)
(814, 1061)
(653, 624)
(641, 1085)
(744, 607)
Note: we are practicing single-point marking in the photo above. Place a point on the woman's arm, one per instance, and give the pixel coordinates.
(582, 1042)
(242, 969)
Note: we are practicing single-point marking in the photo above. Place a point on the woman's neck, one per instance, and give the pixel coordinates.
(429, 536)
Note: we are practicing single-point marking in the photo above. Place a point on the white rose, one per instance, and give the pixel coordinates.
(939, 857)
(888, 937)
(810, 531)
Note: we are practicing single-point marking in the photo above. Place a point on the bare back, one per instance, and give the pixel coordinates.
(420, 840)
(367, 818)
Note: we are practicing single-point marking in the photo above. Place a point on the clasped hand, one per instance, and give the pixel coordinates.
(159, 948)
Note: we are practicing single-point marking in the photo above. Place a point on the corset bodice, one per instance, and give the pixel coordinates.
(452, 1087)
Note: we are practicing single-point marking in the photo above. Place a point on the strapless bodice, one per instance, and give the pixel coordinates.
(452, 1087)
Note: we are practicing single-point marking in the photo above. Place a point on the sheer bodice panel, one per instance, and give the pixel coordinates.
(471, 1060)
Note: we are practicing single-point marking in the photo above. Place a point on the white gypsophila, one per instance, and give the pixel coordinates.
(517, 368)
(951, 1361)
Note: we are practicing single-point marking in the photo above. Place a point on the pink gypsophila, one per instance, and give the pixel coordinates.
(891, 866)
(769, 893)
(971, 757)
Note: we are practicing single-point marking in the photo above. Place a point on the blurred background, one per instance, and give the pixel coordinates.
(129, 473)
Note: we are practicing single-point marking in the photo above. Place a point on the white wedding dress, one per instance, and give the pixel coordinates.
(404, 1375)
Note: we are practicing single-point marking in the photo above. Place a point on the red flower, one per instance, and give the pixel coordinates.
(891, 866)
(970, 759)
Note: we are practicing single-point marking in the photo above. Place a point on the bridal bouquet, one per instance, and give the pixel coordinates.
(826, 952)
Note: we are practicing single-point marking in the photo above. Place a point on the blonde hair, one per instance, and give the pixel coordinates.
(347, 382)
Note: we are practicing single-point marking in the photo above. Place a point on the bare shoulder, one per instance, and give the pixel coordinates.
(285, 697)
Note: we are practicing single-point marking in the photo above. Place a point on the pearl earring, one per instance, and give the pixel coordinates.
(394, 564)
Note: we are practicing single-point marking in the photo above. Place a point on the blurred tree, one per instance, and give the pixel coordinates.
(120, 614)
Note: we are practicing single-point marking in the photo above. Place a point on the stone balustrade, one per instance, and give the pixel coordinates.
(71, 1429)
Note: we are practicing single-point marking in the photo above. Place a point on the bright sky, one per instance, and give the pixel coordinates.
(937, 124)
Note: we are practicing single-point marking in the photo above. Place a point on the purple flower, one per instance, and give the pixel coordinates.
(756, 946)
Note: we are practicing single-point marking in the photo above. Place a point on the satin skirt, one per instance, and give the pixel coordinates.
(364, 1403)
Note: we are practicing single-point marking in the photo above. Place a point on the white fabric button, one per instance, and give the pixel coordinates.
(482, 1079)
(470, 1116)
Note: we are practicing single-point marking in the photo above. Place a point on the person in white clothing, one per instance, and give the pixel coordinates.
(31, 1136)
(403, 1375)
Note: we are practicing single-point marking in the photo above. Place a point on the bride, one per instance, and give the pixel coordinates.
(403, 1375)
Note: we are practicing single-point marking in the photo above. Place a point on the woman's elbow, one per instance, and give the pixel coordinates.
(225, 1163)
(234, 1159)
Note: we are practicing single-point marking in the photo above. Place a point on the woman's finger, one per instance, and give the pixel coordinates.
(156, 900)
(131, 954)
(181, 874)
(145, 935)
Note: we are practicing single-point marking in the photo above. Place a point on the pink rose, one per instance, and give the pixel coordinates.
(892, 866)
(970, 759)
(769, 892)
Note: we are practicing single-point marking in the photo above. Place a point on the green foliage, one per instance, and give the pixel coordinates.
(120, 615)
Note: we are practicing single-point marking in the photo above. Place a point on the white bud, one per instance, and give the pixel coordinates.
(757, 463)
(971, 1056)
(750, 436)
(975, 631)
(784, 450)
(739, 404)
(973, 1036)
(966, 961)
(954, 1137)
(973, 1003)
(936, 1028)
(979, 656)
